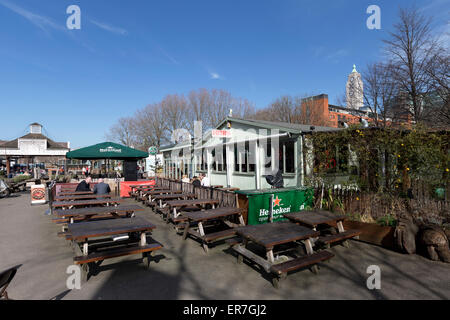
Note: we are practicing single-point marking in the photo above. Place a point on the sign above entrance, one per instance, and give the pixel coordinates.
(152, 150)
(221, 133)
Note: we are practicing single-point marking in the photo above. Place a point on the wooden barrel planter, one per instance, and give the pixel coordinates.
(373, 233)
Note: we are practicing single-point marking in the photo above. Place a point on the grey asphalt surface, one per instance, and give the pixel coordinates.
(29, 237)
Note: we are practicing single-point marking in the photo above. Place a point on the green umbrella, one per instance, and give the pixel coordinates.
(107, 150)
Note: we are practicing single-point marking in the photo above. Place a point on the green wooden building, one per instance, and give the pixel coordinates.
(240, 152)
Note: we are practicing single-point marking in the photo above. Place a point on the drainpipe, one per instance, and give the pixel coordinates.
(271, 209)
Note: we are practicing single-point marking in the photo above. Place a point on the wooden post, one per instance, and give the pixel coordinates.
(241, 219)
(308, 245)
(270, 257)
(8, 165)
(85, 248)
(340, 226)
(202, 233)
(143, 241)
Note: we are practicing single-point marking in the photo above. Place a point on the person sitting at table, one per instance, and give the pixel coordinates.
(84, 185)
(101, 187)
(196, 182)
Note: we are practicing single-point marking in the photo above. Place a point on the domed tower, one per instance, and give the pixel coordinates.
(354, 90)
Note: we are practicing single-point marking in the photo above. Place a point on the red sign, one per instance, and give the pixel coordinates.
(38, 194)
(221, 133)
(125, 186)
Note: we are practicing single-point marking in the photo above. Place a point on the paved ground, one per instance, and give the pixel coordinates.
(28, 237)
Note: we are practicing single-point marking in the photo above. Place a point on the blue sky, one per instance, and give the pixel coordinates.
(128, 54)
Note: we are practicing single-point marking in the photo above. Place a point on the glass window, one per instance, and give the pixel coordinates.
(236, 158)
(268, 152)
(250, 156)
(214, 162)
(224, 155)
(244, 158)
(289, 156)
(221, 158)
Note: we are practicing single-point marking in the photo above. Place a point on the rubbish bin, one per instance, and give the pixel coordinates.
(284, 200)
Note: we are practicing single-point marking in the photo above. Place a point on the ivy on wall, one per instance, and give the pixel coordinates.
(383, 160)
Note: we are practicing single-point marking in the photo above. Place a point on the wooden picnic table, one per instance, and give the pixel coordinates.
(81, 197)
(89, 202)
(177, 205)
(147, 195)
(92, 211)
(135, 186)
(172, 196)
(92, 251)
(206, 217)
(314, 218)
(269, 236)
(74, 193)
(137, 191)
(161, 191)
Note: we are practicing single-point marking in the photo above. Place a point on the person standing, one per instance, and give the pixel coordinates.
(205, 181)
(83, 170)
(196, 182)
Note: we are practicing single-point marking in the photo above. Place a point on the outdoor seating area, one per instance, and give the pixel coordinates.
(99, 228)
(210, 214)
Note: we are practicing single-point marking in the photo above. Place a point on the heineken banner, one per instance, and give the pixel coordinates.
(284, 201)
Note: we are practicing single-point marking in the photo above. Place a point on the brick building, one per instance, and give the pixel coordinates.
(317, 111)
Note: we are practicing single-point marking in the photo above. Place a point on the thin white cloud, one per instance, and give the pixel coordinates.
(433, 4)
(110, 28)
(168, 56)
(40, 21)
(215, 76)
(337, 54)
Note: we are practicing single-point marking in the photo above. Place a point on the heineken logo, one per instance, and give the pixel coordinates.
(275, 212)
(111, 149)
(276, 202)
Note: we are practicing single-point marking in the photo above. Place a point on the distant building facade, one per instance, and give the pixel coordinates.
(317, 111)
(354, 90)
(33, 148)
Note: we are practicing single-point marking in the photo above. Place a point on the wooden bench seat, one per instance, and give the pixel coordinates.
(179, 219)
(117, 252)
(60, 220)
(92, 218)
(301, 262)
(219, 235)
(339, 236)
(233, 241)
